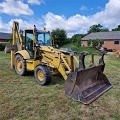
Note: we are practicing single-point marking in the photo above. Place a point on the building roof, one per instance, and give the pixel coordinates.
(113, 35)
(5, 36)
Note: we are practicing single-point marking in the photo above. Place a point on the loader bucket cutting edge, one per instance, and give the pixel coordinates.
(86, 85)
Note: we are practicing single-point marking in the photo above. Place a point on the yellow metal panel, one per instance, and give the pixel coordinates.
(24, 53)
(12, 58)
(47, 48)
(31, 64)
(56, 61)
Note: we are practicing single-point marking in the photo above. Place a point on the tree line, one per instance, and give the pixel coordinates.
(60, 36)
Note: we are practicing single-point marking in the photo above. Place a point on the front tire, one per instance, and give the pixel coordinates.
(42, 75)
(20, 65)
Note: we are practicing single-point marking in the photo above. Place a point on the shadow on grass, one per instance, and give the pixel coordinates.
(29, 73)
(57, 79)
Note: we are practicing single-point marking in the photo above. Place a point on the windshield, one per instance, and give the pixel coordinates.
(43, 39)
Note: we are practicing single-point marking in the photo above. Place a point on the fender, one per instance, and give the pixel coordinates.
(23, 53)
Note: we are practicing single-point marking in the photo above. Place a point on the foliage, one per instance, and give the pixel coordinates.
(82, 35)
(101, 42)
(2, 46)
(97, 28)
(59, 36)
(117, 28)
(89, 42)
(95, 43)
(89, 50)
(104, 30)
(78, 42)
(68, 40)
(76, 39)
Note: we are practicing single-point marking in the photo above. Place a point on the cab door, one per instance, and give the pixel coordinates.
(29, 40)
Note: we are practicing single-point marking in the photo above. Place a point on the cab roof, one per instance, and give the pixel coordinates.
(41, 31)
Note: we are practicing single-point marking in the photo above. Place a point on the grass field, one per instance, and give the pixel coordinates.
(22, 99)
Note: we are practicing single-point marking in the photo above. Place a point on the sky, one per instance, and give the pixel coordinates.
(74, 16)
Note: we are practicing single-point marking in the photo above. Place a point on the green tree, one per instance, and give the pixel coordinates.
(117, 28)
(89, 42)
(68, 40)
(104, 30)
(59, 36)
(96, 43)
(76, 39)
(95, 28)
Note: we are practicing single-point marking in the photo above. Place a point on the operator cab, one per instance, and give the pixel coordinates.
(36, 38)
(43, 38)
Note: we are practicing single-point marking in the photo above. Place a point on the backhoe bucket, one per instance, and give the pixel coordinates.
(86, 85)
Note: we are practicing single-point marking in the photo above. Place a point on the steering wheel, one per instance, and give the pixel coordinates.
(40, 42)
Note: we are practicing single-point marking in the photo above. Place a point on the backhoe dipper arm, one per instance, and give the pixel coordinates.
(17, 40)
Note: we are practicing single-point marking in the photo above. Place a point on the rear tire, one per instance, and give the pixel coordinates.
(42, 75)
(20, 65)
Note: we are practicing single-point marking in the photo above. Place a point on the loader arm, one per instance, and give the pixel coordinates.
(59, 61)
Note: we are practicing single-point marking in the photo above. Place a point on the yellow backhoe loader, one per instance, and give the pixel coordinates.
(33, 50)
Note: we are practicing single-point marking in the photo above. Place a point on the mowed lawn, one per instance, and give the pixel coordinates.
(21, 98)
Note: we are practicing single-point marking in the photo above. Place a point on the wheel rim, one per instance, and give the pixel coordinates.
(40, 75)
(19, 65)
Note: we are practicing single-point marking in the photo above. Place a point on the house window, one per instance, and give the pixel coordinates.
(116, 42)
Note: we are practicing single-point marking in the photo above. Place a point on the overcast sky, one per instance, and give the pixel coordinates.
(75, 16)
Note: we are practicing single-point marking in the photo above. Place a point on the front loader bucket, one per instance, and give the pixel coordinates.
(86, 85)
